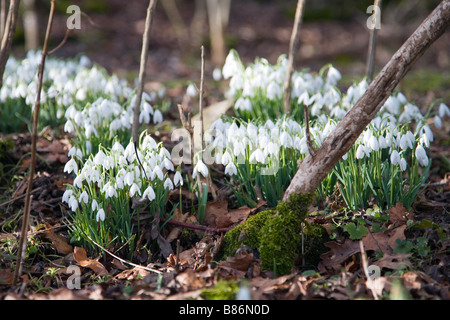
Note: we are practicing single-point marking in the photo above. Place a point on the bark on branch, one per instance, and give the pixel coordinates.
(313, 169)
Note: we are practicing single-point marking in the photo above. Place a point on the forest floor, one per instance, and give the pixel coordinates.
(421, 271)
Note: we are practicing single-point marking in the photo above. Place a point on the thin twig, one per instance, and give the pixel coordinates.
(120, 259)
(63, 42)
(142, 67)
(35, 118)
(372, 42)
(291, 58)
(366, 268)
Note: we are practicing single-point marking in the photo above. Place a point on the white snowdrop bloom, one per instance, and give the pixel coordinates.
(75, 151)
(395, 157)
(77, 182)
(243, 104)
(100, 215)
(345, 156)
(437, 122)
(392, 105)
(421, 156)
(333, 76)
(217, 74)
(70, 166)
(238, 148)
(177, 179)
(94, 205)
(231, 169)
(134, 189)
(200, 167)
(144, 117)
(382, 142)
(73, 203)
(373, 143)
(109, 190)
(338, 112)
(149, 193)
(360, 152)
(69, 127)
(100, 158)
(157, 117)
(257, 156)
(286, 140)
(443, 110)
(403, 164)
(232, 65)
(66, 195)
(89, 130)
(191, 90)
(401, 98)
(85, 62)
(226, 158)
(117, 147)
(168, 164)
(81, 94)
(272, 148)
(84, 197)
(168, 184)
(157, 172)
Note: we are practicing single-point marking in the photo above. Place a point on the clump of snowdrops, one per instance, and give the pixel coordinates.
(112, 186)
(387, 164)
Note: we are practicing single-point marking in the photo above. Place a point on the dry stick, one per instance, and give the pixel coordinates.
(312, 170)
(8, 36)
(291, 58)
(35, 118)
(122, 260)
(144, 58)
(63, 42)
(366, 268)
(372, 41)
(2, 18)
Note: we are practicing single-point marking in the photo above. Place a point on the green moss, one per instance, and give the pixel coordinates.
(276, 234)
(223, 290)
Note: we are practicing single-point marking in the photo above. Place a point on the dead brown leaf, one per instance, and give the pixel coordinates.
(81, 258)
(58, 241)
(240, 261)
(6, 276)
(189, 280)
(398, 215)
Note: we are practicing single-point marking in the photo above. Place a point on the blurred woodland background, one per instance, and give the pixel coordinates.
(332, 32)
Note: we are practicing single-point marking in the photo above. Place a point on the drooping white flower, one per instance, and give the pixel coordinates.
(333, 75)
(200, 167)
(421, 156)
(191, 91)
(149, 193)
(157, 117)
(84, 197)
(66, 195)
(395, 157)
(360, 152)
(70, 166)
(226, 158)
(168, 184)
(257, 156)
(231, 169)
(437, 122)
(177, 179)
(94, 205)
(73, 203)
(443, 110)
(100, 158)
(373, 143)
(134, 189)
(402, 164)
(100, 215)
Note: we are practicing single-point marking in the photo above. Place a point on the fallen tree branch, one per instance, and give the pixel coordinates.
(314, 168)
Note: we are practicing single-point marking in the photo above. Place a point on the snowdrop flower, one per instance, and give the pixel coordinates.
(100, 215)
(84, 197)
(231, 169)
(407, 140)
(77, 182)
(360, 152)
(191, 91)
(217, 74)
(257, 156)
(274, 91)
(382, 142)
(117, 147)
(333, 75)
(157, 172)
(149, 193)
(232, 65)
(66, 195)
(109, 190)
(200, 167)
(70, 166)
(73, 203)
(157, 117)
(100, 158)
(178, 179)
(443, 110)
(395, 157)
(286, 140)
(243, 104)
(168, 164)
(134, 189)
(421, 156)
(168, 184)
(373, 143)
(69, 127)
(402, 164)
(437, 122)
(94, 205)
